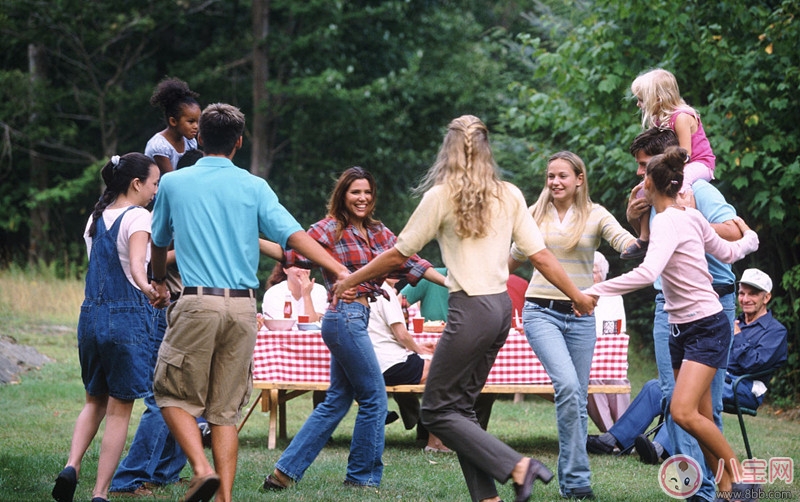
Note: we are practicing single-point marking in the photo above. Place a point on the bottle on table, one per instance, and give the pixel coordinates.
(287, 307)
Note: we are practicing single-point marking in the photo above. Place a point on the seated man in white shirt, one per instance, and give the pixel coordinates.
(399, 357)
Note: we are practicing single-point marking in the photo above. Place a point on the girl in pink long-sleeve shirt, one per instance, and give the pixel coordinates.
(701, 333)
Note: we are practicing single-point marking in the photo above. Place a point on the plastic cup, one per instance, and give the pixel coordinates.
(418, 322)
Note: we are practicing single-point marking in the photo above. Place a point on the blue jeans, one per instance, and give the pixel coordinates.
(355, 374)
(154, 456)
(564, 344)
(645, 408)
(682, 441)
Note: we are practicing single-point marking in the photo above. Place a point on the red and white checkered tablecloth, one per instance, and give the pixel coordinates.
(301, 356)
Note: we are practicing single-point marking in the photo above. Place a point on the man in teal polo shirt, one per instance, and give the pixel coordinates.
(214, 212)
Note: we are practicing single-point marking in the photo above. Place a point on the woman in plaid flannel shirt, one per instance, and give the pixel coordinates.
(354, 237)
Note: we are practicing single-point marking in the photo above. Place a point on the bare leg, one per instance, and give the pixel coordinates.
(184, 427)
(644, 227)
(117, 419)
(225, 447)
(436, 443)
(691, 409)
(86, 428)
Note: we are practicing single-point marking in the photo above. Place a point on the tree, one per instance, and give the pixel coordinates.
(736, 62)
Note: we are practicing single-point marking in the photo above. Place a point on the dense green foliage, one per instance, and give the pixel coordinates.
(374, 83)
(737, 63)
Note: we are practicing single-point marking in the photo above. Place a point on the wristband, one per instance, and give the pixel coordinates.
(157, 280)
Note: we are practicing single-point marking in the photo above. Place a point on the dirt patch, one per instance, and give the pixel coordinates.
(16, 358)
(792, 414)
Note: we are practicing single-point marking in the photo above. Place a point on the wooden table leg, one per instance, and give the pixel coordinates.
(282, 415)
(273, 419)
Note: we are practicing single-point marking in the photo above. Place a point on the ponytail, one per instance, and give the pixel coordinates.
(666, 170)
(117, 174)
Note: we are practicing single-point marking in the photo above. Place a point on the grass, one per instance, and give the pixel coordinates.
(38, 415)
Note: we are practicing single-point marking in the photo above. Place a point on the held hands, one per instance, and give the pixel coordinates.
(584, 304)
(159, 295)
(341, 287)
(741, 224)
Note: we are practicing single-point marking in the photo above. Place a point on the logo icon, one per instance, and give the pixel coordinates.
(680, 476)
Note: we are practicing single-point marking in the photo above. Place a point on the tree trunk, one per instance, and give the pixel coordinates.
(40, 215)
(260, 159)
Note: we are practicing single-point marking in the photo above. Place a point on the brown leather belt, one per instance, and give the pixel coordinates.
(233, 293)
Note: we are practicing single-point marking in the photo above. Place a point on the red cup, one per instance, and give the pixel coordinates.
(418, 323)
(303, 319)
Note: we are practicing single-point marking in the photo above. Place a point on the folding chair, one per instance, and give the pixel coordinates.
(651, 432)
(736, 409)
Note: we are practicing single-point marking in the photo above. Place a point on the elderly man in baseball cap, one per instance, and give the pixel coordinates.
(759, 341)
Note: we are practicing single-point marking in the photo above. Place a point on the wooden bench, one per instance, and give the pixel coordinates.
(274, 396)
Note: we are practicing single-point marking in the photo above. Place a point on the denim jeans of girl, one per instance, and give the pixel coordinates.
(564, 343)
(355, 375)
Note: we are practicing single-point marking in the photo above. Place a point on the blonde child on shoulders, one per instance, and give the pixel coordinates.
(662, 106)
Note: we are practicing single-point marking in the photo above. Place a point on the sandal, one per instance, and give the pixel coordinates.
(202, 489)
(635, 251)
(271, 483)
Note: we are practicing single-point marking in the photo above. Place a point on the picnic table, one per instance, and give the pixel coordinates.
(288, 364)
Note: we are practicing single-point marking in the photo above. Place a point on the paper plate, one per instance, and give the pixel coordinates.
(308, 326)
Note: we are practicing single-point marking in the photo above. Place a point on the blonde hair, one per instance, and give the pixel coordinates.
(658, 91)
(582, 204)
(466, 165)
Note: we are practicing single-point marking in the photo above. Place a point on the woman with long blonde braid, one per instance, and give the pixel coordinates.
(474, 216)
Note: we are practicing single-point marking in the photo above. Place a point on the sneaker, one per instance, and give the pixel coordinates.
(205, 432)
(635, 251)
(594, 445)
(647, 452)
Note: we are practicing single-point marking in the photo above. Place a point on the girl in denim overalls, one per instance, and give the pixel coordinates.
(116, 319)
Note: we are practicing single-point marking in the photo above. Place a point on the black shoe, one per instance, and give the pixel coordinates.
(635, 251)
(646, 450)
(594, 445)
(205, 433)
(66, 482)
(744, 491)
(391, 417)
(536, 470)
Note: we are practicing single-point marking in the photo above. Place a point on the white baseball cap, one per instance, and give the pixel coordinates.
(756, 278)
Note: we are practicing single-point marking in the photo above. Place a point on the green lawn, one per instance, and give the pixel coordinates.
(38, 415)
